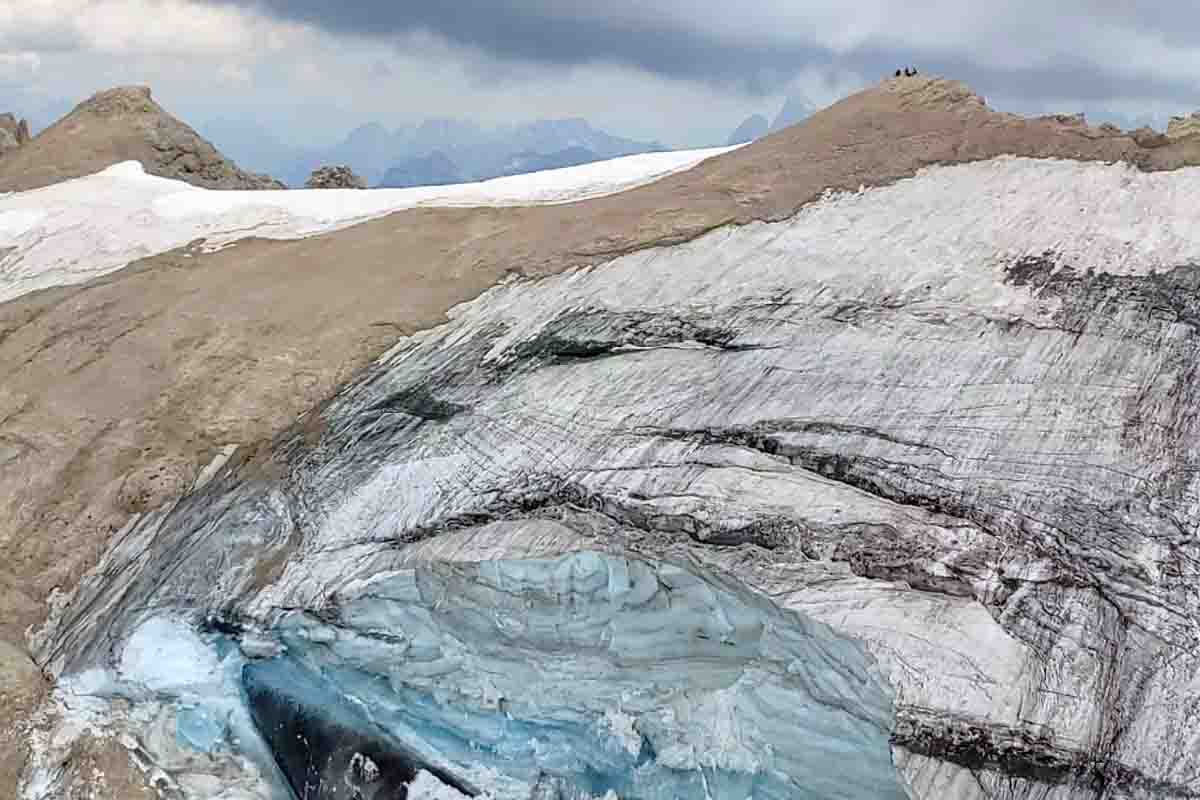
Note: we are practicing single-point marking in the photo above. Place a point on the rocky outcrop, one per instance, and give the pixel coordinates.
(1149, 138)
(340, 177)
(13, 133)
(1183, 127)
(117, 125)
(947, 418)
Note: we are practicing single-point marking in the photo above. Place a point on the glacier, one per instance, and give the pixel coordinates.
(80, 229)
(583, 675)
(947, 424)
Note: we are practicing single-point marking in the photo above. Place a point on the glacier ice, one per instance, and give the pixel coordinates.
(165, 655)
(583, 675)
(963, 435)
(169, 694)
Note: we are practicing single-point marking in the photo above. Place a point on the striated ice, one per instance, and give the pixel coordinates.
(953, 418)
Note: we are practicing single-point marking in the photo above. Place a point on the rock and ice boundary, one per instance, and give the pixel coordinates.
(80, 229)
(951, 418)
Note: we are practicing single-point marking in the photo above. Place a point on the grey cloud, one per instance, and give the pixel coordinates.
(528, 32)
(655, 37)
(40, 39)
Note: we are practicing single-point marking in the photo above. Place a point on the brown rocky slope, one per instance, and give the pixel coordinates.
(113, 394)
(117, 125)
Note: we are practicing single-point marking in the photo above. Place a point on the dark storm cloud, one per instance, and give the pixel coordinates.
(656, 36)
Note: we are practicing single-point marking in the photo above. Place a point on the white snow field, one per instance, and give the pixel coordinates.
(79, 229)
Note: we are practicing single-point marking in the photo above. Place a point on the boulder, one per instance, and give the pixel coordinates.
(334, 177)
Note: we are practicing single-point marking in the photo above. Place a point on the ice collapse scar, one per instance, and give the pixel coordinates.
(325, 748)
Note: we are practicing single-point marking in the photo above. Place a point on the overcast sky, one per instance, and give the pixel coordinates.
(685, 72)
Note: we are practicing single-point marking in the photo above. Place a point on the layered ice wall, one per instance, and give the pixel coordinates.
(576, 676)
(954, 419)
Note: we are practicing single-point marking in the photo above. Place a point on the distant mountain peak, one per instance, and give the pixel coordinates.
(796, 108)
(434, 169)
(465, 150)
(370, 131)
(753, 127)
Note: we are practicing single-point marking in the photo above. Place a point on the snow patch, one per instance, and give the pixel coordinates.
(79, 229)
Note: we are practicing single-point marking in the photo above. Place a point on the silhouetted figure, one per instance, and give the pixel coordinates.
(898, 73)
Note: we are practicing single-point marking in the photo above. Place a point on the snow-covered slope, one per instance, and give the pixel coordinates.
(954, 419)
(76, 230)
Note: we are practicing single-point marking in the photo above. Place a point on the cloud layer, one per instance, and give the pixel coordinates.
(1078, 46)
(682, 71)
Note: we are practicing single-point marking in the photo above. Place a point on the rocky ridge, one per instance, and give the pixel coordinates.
(1184, 126)
(1034, 528)
(117, 125)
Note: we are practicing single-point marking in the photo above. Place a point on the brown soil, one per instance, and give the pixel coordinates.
(114, 394)
(21, 689)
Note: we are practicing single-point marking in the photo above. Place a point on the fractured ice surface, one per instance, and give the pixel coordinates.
(170, 696)
(584, 675)
(163, 655)
(954, 418)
